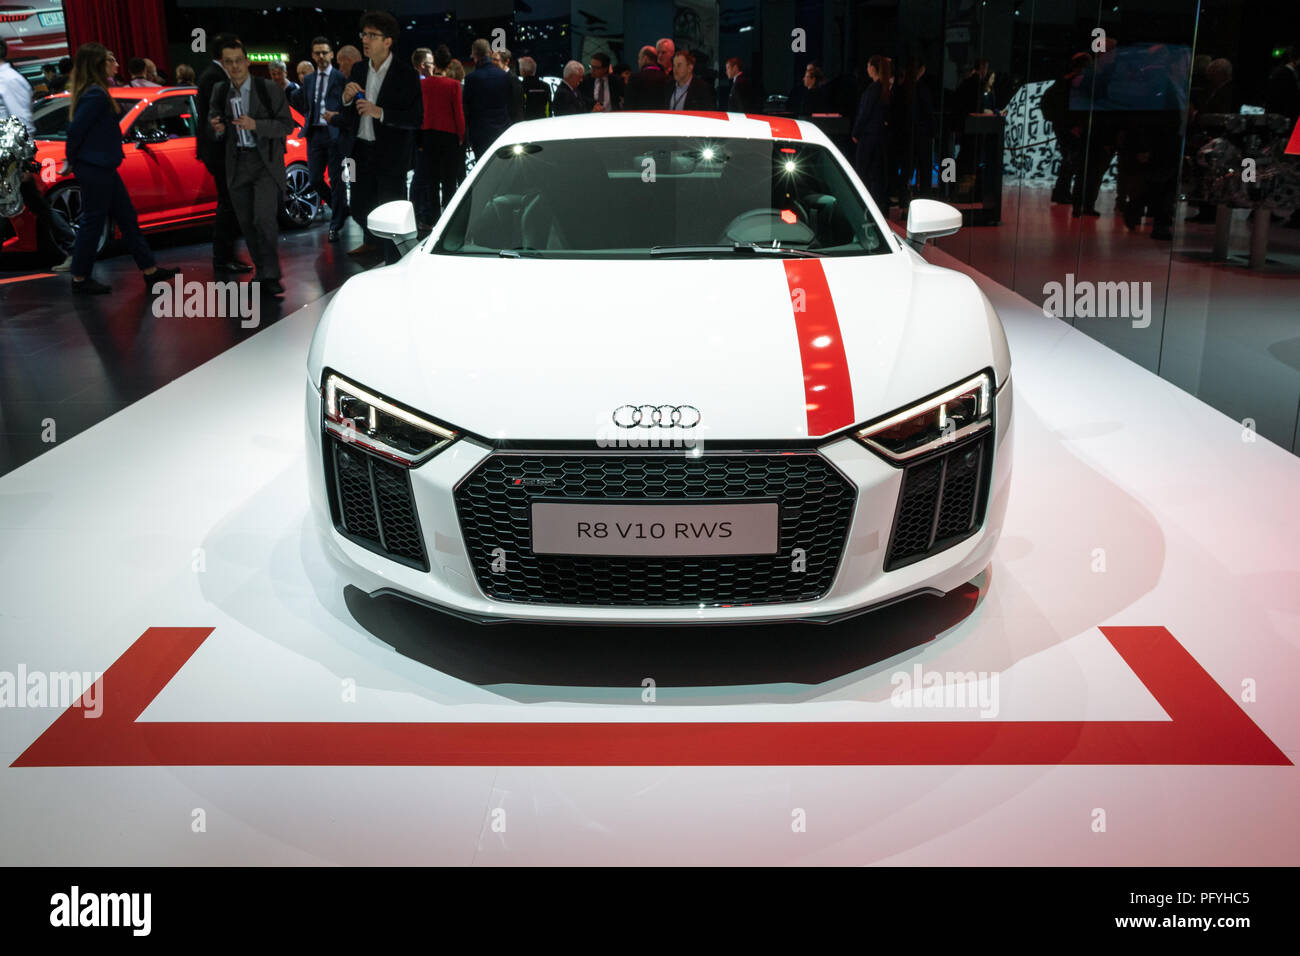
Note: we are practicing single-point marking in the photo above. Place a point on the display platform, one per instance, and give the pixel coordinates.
(1119, 678)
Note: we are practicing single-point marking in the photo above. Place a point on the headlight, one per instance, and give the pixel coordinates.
(950, 416)
(363, 418)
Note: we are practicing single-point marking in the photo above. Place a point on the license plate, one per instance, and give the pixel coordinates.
(653, 530)
(54, 19)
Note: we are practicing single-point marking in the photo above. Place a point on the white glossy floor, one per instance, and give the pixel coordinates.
(231, 734)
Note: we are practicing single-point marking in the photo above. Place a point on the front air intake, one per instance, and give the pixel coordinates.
(371, 503)
(941, 502)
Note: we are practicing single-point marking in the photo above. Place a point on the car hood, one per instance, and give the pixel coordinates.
(548, 349)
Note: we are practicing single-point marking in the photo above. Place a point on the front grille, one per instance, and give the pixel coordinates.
(941, 502)
(371, 503)
(494, 505)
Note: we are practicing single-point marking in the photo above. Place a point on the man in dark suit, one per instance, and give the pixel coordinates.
(383, 104)
(503, 59)
(569, 98)
(252, 116)
(487, 95)
(212, 154)
(648, 87)
(688, 91)
(741, 98)
(321, 92)
(602, 88)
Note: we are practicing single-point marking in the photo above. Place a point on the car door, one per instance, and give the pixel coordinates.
(167, 183)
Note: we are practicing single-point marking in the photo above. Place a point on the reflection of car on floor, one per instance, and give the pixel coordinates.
(703, 381)
(169, 187)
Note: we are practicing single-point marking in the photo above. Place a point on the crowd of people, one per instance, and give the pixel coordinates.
(380, 116)
(1135, 114)
(385, 117)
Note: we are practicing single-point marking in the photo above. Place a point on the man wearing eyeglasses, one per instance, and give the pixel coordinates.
(382, 102)
(251, 116)
(212, 154)
(601, 88)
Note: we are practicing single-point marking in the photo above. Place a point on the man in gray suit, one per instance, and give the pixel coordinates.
(252, 116)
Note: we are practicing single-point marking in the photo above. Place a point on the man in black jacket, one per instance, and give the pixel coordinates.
(212, 154)
(487, 98)
(648, 87)
(688, 91)
(383, 104)
(741, 97)
(602, 89)
(568, 95)
(537, 95)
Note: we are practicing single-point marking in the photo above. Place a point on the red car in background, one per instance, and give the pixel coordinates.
(169, 187)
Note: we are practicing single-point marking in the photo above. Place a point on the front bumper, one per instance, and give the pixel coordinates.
(860, 582)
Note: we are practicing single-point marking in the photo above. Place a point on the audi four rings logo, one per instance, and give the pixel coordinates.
(656, 416)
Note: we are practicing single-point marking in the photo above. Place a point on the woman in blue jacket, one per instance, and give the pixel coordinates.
(871, 133)
(94, 152)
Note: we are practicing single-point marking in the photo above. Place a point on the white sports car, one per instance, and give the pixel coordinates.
(660, 368)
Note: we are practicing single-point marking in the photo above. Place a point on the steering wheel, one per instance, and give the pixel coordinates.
(764, 225)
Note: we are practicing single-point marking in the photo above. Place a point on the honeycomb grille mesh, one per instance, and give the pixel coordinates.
(942, 501)
(372, 504)
(494, 506)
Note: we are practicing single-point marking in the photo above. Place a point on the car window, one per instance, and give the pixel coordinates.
(622, 197)
(174, 115)
(51, 118)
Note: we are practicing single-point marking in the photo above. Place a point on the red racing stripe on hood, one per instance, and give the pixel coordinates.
(828, 390)
(782, 126)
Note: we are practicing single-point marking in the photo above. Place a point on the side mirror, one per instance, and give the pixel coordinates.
(396, 221)
(929, 219)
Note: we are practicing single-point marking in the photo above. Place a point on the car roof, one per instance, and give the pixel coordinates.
(129, 92)
(663, 123)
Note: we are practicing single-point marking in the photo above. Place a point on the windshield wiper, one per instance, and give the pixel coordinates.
(736, 248)
(519, 254)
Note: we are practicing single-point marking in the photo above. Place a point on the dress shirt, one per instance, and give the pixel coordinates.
(322, 84)
(374, 80)
(246, 139)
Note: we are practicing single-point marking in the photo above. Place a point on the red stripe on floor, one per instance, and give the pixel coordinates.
(36, 275)
(828, 390)
(1206, 726)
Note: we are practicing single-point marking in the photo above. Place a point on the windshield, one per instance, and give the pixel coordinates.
(50, 116)
(633, 197)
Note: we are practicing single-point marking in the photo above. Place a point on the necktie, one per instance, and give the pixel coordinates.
(320, 95)
(600, 92)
